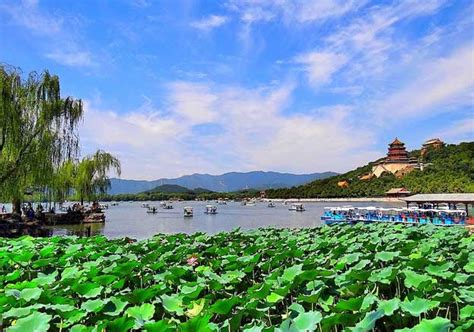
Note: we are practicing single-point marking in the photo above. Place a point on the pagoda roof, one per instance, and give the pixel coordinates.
(398, 191)
(396, 141)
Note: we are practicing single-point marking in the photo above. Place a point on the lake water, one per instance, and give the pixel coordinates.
(130, 218)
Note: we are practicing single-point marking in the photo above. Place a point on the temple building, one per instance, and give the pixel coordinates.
(434, 143)
(397, 161)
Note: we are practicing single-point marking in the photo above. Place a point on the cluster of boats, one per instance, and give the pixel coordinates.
(350, 214)
(212, 209)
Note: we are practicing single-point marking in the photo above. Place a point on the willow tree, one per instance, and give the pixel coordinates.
(38, 131)
(91, 175)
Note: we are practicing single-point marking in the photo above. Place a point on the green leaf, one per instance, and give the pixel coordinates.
(418, 306)
(307, 321)
(224, 306)
(160, 326)
(79, 328)
(37, 322)
(200, 323)
(469, 267)
(116, 306)
(437, 324)
(93, 305)
(415, 280)
(172, 303)
(440, 270)
(274, 298)
(368, 323)
(384, 276)
(389, 306)
(292, 272)
(29, 294)
(196, 309)
(369, 299)
(46, 279)
(467, 312)
(141, 313)
(386, 256)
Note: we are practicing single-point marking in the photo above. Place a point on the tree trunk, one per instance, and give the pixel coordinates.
(82, 201)
(16, 205)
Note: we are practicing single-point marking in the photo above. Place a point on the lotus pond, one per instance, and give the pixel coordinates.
(366, 277)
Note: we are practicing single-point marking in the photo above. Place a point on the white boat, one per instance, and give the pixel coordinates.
(251, 203)
(243, 203)
(188, 211)
(211, 209)
(271, 205)
(221, 202)
(114, 204)
(103, 206)
(297, 207)
(168, 206)
(285, 203)
(152, 209)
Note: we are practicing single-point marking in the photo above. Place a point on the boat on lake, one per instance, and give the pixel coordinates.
(145, 205)
(168, 206)
(211, 209)
(152, 209)
(298, 207)
(271, 205)
(370, 214)
(188, 211)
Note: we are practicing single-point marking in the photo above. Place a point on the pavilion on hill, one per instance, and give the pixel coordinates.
(397, 152)
(397, 160)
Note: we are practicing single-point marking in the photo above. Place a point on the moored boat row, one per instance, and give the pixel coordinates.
(350, 214)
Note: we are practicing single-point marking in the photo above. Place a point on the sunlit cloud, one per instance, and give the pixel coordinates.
(208, 23)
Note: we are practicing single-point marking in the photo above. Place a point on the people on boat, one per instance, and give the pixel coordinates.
(4, 209)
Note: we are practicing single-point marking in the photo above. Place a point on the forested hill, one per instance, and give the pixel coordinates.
(450, 169)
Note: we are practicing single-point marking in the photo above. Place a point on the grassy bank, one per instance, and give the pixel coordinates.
(380, 276)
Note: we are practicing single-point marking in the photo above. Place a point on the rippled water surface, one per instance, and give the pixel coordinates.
(130, 219)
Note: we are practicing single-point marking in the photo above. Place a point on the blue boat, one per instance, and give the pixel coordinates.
(370, 214)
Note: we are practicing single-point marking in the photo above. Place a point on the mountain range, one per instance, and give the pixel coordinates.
(227, 182)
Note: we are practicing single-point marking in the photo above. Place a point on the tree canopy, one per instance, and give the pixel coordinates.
(38, 130)
(449, 169)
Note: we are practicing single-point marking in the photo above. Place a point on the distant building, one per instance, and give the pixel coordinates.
(398, 192)
(397, 161)
(343, 184)
(434, 143)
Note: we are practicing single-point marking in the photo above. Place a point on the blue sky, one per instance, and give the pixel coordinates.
(178, 87)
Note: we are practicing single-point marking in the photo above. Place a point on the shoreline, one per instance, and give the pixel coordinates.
(347, 199)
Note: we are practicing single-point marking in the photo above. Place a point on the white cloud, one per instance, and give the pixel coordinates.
(192, 101)
(57, 40)
(26, 13)
(210, 22)
(320, 66)
(459, 131)
(70, 58)
(292, 11)
(254, 133)
(439, 83)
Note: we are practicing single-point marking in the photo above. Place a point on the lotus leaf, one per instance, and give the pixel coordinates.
(418, 306)
(37, 322)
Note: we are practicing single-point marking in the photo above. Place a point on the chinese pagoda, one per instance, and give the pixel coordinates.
(397, 152)
(397, 161)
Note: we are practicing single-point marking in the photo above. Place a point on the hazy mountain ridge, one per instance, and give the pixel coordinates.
(227, 182)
